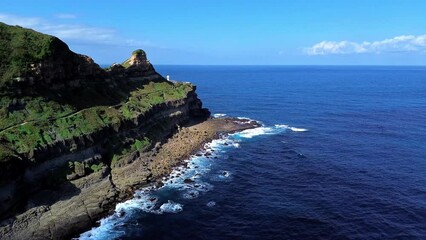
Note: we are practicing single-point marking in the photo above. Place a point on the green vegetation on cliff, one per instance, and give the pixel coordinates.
(19, 48)
(138, 54)
(72, 99)
(68, 124)
(69, 128)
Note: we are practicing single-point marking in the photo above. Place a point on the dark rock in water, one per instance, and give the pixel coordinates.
(187, 180)
(192, 194)
(198, 154)
(226, 144)
(121, 214)
(207, 154)
(152, 199)
(159, 184)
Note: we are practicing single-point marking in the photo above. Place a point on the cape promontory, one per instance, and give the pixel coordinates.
(76, 138)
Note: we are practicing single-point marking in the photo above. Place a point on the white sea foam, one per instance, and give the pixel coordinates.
(246, 118)
(142, 202)
(103, 231)
(250, 133)
(225, 174)
(294, 129)
(191, 194)
(171, 207)
(219, 115)
(187, 180)
(298, 129)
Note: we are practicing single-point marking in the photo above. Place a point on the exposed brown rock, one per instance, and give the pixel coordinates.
(81, 202)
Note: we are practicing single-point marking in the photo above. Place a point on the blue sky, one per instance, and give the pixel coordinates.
(234, 31)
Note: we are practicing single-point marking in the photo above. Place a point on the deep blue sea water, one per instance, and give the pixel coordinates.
(358, 172)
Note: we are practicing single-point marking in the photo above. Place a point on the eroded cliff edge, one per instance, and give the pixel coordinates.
(76, 138)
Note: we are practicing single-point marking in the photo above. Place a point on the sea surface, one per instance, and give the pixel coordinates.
(341, 155)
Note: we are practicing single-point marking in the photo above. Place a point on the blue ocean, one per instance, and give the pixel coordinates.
(341, 155)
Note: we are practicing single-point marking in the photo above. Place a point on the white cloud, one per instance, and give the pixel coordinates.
(73, 32)
(81, 33)
(404, 43)
(21, 21)
(65, 16)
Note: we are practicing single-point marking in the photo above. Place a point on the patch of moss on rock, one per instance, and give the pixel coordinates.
(34, 117)
(20, 47)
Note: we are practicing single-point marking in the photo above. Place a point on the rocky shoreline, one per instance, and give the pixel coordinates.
(76, 139)
(86, 200)
(191, 138)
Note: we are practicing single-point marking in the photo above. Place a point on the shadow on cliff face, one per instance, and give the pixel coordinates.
(91, 94)
(87, 93)
(23, 196)
(51, 194)
(38, 65)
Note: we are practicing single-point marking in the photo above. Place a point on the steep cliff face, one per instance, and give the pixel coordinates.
(32, 61)
(66, 124)
(86, 194)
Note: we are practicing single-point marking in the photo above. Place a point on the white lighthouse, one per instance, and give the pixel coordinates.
(168, 77)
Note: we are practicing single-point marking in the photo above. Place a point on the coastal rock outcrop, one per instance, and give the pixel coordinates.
(66, 124)
(75, 138)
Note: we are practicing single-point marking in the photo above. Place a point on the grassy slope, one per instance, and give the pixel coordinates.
(19, 47)
(86, 121)
(30, 122)
(126, 64)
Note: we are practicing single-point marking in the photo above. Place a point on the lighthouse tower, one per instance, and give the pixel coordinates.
(168, 77)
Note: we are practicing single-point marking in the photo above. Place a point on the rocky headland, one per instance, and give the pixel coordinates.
(75, 138)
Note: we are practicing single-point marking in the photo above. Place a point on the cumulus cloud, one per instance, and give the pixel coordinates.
(404, 43)
(73, 32)
(65, 16)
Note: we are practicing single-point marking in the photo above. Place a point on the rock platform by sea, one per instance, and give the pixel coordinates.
(84, 201)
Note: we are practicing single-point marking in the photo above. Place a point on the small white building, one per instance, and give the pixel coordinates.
(168, 77)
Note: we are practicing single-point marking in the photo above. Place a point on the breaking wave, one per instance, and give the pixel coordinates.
(294, 129)
(183, 184)
(219, 115)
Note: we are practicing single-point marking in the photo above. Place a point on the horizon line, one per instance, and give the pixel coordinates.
(289, 65)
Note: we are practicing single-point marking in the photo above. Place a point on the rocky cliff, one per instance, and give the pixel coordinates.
(69, 129)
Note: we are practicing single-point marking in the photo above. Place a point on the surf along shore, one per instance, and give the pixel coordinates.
(79, 213)
(187, 141)
(191, 139)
